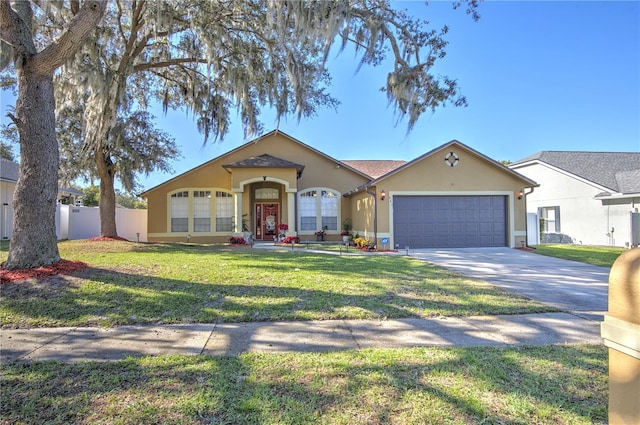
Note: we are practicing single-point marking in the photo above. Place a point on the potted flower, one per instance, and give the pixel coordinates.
(282, 230)
(320, 235)
(345, 236)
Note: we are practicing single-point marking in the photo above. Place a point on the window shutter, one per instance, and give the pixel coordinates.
(557, 219)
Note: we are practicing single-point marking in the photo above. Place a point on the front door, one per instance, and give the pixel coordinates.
(266, 221)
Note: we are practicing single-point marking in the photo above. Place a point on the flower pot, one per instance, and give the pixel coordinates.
(319, 238)
(345, 239)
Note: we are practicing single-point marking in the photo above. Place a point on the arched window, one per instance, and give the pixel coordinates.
(318, 210)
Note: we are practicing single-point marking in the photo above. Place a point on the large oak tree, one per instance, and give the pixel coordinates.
(214, 57)
(34, 240)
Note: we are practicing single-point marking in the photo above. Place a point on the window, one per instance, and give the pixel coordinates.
(224, 211)
(308, 213)
(201, 211)
(180, 212)
(551, 219)
(267, 193)
(318, 210)
(329, 210)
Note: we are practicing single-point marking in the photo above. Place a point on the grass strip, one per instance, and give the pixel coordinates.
(597, 255)
(518, 385)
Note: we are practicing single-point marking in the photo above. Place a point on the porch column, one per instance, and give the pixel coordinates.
(291, 211)
(237, 219)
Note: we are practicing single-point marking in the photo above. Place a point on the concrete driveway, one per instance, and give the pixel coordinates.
(578, 288)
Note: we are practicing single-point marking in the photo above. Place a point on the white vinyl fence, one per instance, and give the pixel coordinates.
(84, 222)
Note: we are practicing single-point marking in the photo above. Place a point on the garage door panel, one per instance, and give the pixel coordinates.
(449, 221)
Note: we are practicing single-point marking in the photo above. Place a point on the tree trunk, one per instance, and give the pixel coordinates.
(34, 242)
(106, 171)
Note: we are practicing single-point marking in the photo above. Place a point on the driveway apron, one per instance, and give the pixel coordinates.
(578, 288)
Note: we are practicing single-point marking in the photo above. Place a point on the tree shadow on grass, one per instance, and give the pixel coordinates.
(559, 384)
(110, 297)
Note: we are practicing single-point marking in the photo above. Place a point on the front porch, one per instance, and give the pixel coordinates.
(264, 189)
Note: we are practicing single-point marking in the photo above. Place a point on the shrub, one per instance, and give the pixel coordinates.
(361, 242)
(233, 240)
(291, 239)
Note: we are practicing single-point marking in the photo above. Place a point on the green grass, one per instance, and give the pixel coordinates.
(131, 283)
(596, 255)
(518, 385)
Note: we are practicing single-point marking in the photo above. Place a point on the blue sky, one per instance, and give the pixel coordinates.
(542, 75)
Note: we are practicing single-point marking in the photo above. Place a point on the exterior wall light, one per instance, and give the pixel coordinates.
(382, 195)
(519, 194)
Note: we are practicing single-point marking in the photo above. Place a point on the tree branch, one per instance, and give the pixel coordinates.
(72, 38)
(150, 65)
(14, 31)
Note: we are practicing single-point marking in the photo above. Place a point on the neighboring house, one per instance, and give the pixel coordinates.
(8, 180)
(451, 196)
(589, 198)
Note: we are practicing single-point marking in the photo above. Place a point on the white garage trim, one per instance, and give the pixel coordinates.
(511, 236)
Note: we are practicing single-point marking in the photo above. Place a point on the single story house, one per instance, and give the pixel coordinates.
(452, 196)
(589, 198)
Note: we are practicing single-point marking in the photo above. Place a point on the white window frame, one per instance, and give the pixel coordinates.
(201, 211)
(319, 209)
(227, 207)
(195, 212)
(179, 210)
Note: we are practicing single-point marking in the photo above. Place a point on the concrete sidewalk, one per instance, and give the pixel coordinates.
(99, 344)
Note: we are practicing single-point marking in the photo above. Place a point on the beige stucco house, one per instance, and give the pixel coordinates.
(452, 196)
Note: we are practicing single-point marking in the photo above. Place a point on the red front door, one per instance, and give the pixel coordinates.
(267, 221)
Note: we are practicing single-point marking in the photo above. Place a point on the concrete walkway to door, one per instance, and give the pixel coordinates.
(578, 288)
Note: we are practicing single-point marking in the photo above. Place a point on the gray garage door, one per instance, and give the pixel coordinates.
(449, 221)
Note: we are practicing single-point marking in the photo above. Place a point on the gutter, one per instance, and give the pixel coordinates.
(375, 215)
(526, 219)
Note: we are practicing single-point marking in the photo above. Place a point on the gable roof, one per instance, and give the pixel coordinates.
(612, 170)
(374, 168)
(254, 141)
(526, 180)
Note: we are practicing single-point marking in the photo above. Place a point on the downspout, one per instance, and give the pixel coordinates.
(375, 215)
(526, 217)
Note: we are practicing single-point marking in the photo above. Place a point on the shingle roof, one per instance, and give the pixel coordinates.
(628, 181)
(8, 170)
(613, 170)
(374, 168)
(264, 161)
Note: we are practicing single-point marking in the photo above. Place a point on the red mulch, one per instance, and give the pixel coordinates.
(108, 239)
(61, 267)
(526, 248)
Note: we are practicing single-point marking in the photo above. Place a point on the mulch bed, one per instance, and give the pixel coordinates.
(61, 267)
(108, 239)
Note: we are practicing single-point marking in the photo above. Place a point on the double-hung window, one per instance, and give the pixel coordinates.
(551, 219)
(224, 211)
(180, 211)
(201, 211)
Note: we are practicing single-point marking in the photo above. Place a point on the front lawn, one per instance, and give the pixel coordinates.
(516, 385)
(597, 255)
(131, 283)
